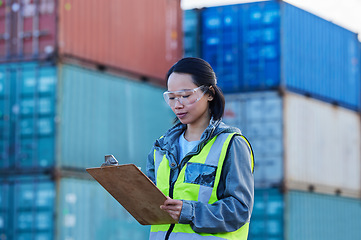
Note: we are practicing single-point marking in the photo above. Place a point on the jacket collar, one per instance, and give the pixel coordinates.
(170, 138)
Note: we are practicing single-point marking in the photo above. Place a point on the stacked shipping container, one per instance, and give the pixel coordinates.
(68, 100)
(295, 138)
(191, 33)
(143, 37)
(27, 30)
(292, 84)
(27, 115)
(81, 124)
(268, 45)
(303, 215)
(307, 152)
(96, 114)
(29, 205)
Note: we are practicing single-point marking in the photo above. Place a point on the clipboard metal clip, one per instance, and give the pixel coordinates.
(110, 161)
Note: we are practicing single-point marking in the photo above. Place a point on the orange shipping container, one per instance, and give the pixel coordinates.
(142, 36)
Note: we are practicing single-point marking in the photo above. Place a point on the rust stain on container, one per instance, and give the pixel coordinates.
(143, 37)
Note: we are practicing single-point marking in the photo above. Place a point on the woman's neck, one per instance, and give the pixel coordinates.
(194, 131)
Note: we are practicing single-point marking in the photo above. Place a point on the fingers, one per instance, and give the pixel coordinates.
(173, 207)
(172, 204)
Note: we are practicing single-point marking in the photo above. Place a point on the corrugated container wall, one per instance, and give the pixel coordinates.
(267, 221)
(264, 131)
(27, 30)
(27, 113)
(296, 215)
(97, 114)
(272, 44)
(103, 114)
(191, 33)
(321, 138)
(299, 142)
(37, 207)
(329, 53)
(144, 37)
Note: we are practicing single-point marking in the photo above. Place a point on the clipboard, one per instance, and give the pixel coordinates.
(134, 191)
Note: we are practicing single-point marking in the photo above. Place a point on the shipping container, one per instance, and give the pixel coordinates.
(191, 33)
(69, 116)
(144, 37)
(27, 113)
(272, 44)
(27, 30)
(39, 207)
(103, 114)
(299, 142)
(267, 220)
(296, 215)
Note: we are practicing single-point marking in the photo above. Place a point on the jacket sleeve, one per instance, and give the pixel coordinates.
(235, 193)
(150, 166)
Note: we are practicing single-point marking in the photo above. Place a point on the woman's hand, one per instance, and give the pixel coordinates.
(173, 207)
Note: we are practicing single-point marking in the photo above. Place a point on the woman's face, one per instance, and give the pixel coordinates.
(194, 113)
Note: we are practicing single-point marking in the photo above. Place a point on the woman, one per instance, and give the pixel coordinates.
(203, 165)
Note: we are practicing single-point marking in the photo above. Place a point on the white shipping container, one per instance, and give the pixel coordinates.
(322, 145)
(299, 142)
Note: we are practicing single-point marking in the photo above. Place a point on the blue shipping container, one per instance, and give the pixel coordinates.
(37, 207)
(272, 44)
(191, 31)
(27, 208)
(267, 221)
(297, 215)
(27, 113)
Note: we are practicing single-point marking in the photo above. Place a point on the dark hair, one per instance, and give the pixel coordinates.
(203, 75)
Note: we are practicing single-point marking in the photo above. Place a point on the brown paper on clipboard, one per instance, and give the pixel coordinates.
(134, 191)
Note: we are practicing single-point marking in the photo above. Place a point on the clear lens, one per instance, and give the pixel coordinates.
(185, 97)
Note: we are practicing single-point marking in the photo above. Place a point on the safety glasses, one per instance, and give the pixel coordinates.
(185, 97)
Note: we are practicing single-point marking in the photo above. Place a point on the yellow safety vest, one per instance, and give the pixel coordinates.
(212, 154)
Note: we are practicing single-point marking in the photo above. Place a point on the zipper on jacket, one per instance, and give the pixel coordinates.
(171, 189)
(169, 231)
(171, 185)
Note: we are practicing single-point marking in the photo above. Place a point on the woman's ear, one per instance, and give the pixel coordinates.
(211, 93)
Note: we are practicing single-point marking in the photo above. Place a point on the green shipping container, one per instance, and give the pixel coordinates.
(68, 116)
(298, 215)
(37, 207)
(103, 114)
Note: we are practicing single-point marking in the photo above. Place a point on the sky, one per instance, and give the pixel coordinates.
(346, 13)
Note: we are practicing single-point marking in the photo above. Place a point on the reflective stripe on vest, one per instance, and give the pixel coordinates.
(240, 234)
(211, 157)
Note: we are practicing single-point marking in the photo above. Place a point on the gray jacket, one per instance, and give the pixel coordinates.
(236, 187)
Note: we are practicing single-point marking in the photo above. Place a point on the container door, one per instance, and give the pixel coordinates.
(27, 29)
(5, 29)
(5, 131)
(28, 114)
(261, 44)
(27, 208)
